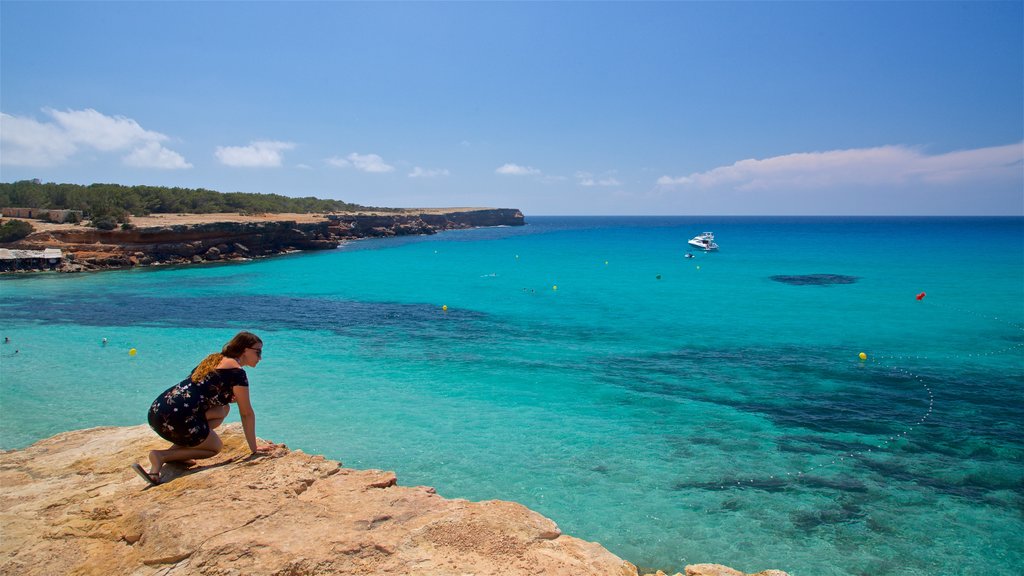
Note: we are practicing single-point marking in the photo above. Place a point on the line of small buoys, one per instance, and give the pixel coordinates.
(971, 354)
(875, 359)
(841, 458)
(987, 353)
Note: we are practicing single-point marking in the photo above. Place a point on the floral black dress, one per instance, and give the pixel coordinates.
(179, 414)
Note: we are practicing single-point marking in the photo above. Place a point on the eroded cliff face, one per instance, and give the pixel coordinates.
(89, 248)
(71, 505)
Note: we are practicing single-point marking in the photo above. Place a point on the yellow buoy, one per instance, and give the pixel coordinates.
(862, 356)
(444, 307)
(555, 287)
(132, 352)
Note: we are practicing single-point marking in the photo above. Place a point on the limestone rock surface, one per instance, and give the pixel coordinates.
(71, 504)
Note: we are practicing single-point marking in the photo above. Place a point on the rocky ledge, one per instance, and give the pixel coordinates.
(70, 504)
(92, 249)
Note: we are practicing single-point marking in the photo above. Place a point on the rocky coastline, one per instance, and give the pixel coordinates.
(86, 249)
(71, 504)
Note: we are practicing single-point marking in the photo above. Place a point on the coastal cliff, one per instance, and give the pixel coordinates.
(230, 239)
(70, 504)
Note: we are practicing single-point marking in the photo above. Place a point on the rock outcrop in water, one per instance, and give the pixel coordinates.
(71, 505)
(90, 248)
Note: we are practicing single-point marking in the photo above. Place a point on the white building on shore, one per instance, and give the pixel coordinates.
(48, 258)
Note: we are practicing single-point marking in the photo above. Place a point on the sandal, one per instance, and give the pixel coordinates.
(153, 479)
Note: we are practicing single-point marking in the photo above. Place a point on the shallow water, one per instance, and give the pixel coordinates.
(675, 410)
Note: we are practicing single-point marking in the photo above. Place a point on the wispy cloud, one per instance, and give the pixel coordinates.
(362, 162)
(418, 172)
(258, 154)
(882, 166)
(26, 141)
(153, 155)
(537, 174)
(586, 179)
(517, 170)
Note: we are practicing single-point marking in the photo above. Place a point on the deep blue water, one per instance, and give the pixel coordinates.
(676, 410)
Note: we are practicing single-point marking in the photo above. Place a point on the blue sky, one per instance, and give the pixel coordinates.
(553, 108)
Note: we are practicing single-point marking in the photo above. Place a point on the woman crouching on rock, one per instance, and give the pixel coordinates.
(187, 413)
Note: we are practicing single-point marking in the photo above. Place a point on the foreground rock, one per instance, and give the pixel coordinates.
(71, 505)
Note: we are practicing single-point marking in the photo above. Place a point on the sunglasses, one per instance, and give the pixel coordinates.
(259, 351)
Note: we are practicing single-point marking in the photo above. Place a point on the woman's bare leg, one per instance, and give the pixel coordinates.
(208, 449)
(216, 415)
(189, 462)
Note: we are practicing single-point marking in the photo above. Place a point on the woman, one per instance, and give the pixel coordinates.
(187, 413)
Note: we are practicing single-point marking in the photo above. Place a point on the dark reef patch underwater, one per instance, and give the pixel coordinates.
(815, 279)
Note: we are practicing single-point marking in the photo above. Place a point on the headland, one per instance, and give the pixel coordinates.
(162, 239)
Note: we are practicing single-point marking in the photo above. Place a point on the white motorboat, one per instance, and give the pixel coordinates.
(705, 241)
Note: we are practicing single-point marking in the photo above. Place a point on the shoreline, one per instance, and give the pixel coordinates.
(72, 504)
(184, 239)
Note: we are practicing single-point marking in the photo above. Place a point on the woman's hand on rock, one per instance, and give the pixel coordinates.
(267, 449)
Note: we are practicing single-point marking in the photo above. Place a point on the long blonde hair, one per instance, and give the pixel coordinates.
(233, 349)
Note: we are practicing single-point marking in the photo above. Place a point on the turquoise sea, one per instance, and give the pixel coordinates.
(675, 410)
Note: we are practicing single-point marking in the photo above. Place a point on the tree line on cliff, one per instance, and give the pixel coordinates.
(119, 202)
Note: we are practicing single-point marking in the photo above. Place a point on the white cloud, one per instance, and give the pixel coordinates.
(103, 132)
(26, 142)
(363, 162)
(517, 170)
(369, 163)
(258, 154)
(418, 172)
(29, 142)
(586, 179)
(882, 166)
(153, 155)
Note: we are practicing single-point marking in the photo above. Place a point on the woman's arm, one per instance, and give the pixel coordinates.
(248, 419)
